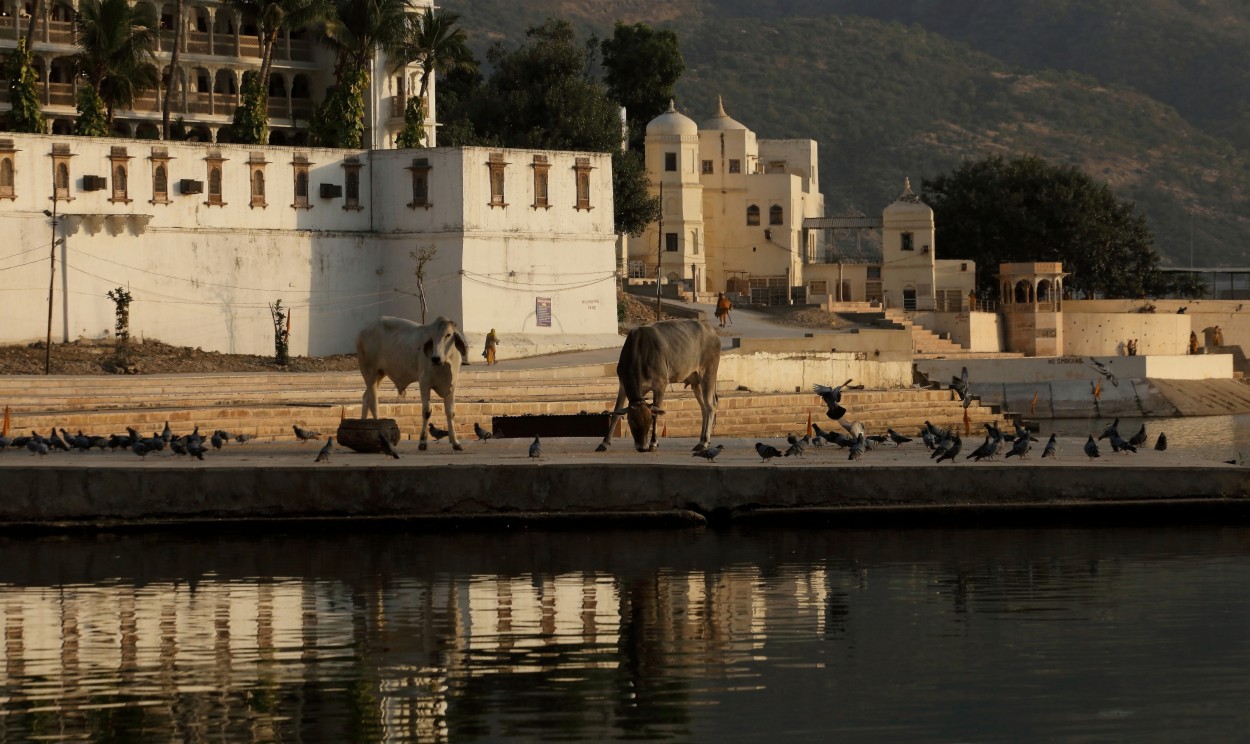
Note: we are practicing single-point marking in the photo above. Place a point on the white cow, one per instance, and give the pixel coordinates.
(408, 352)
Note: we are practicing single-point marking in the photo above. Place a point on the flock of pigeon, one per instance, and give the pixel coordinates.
(189, 445)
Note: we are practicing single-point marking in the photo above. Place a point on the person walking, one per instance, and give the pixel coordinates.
(491, 342)
(723, 306)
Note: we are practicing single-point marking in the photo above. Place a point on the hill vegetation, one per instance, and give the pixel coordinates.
(911, 89)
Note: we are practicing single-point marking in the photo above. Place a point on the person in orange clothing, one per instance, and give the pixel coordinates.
(491, 342)
(723, 306)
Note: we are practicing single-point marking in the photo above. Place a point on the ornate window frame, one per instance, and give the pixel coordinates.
(119, 175)
(160, 165)
(8, 169)
(542, 182)
(581, 170)
(214, 187)
(256, 179)
(497, 167)
(420, 169)
(61, 174)
(351, 183)
(301, 183)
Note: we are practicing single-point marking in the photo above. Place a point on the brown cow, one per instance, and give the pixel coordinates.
(408, 352)
(654, 356)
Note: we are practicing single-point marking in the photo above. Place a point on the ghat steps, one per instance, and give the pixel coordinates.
(266, 405)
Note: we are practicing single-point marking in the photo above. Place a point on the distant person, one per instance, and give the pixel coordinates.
(972, 299)
(491, 342)
(723, 306)
(1217, 338)
(1132, 347)
(1193, 342)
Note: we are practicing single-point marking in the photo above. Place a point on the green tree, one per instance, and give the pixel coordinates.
(116, 50)
(271, 18)
(92, 119)
(995, 210)
(635, 206)
(433, 41)
(25, 114)
(340, 119)
(413, 133)
(641, 67)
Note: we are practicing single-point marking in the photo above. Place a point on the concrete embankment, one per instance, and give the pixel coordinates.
(497, 481)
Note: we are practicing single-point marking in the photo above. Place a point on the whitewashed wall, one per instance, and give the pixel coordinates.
(205, 275)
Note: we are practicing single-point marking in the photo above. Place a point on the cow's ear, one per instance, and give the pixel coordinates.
(429, 347)
(459, 341)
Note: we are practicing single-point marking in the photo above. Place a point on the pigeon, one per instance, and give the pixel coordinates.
(1050, 448)
(176, 445)
(942, 447)
(195, 448)
(710, 453)
(41, 448)
(960, 384)
(536, 449)
(140, 448)
(1139, 438)
(1020, 448)
(938, 434)
(897, 438)
(324, 454)
(985, 450)
(4, 442)
(194, 440)
(167, 433)
(820, 433)
(55, 442)
(242, 438)
(1119, 445)
(832, 396)
(950, 453)
(794, 449)
(929, 440)
(840, 440)
(1102, 370)
(305, 434)
(436, 432)
(481, 433)
(217, 440)
(225, 436)
(1113, 426)
(385, 442)
(857, 448)
(1161, 444)
(766, 451)
(1091, 447)
(98, 441)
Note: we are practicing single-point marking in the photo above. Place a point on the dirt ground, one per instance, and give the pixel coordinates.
(154, 357)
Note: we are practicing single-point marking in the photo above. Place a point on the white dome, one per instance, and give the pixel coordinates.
(672, 122)
(908, 204)
(722, 121)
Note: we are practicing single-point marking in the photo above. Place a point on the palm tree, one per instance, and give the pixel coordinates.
(433, 41)
(116, 43)
(272, 17)
(361, 28)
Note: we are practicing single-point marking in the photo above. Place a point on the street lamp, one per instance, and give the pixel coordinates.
(47, 347)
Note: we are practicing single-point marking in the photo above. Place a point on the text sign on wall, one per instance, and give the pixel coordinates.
(542, 309)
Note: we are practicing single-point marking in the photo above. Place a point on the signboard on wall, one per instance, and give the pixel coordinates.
(542, 309)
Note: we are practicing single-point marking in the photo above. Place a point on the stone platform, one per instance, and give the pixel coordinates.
(497, 481)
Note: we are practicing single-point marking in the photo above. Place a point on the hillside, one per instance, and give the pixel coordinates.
(886, 100)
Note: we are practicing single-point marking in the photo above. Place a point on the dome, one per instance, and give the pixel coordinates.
(672, 122)
(722, 121)
(908, 204)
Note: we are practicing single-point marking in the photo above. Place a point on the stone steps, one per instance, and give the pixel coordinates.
(1211, 398)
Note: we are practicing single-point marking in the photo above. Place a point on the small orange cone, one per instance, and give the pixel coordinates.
(809, 423)
(664, 433)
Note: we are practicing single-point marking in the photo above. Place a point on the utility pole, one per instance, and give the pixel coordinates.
(659, 252)
(47, 347)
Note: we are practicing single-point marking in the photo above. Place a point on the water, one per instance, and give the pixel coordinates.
(696, 635)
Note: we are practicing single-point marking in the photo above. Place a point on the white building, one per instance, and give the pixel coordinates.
(205, 237)
(733, 206)
(217, 47)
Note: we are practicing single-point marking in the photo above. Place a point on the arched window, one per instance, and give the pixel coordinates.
(119, 183)
(62, 178)
(776, 215)
(6, 177)
(753, 215)
(214, 185)
(160, 180)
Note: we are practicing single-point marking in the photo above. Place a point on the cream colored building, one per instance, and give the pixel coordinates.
(205, 237)
(733, 207)
(217, 48)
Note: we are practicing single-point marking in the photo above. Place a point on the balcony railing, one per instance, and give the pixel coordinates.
(197, 43)
(60, 32)
(61, 94)
(301, 50)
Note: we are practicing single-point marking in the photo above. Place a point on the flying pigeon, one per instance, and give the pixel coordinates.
(766, 451)
(710, 453)
(950, 453)
(305, 435)
(324, 454)
(1139, 438)
(1050, 448)
(1091, 448)
(536, 449)
(1102, 370)
(832, 397)
(436, 432)
(481, 433)
(1161, 444)
(387, 449)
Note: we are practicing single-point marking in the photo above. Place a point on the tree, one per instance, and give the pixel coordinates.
(179, 25)
(995, 211)
(433, 41)
(635, 206)
(25, 115)
(92, 118)
(413, 133)
(357, 31)
(271, 18)
(116, 50)
(641, 67)
(422, 256)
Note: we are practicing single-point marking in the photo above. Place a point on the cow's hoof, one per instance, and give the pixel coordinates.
(601, 448)
(457, 447)
(652, 448)
(421, 446)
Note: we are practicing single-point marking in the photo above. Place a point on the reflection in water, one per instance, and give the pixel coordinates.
(875, 635)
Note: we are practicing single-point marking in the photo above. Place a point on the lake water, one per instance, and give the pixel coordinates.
(683, 635)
